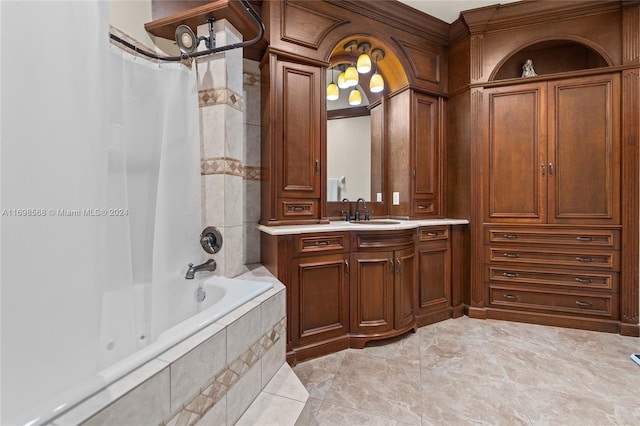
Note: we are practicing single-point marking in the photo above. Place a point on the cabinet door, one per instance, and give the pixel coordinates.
(515, 154)
(299, 96)
(434, 277)
(584, 150)
(321, 294)
(427, 155)
(372, 279)
(405, 287)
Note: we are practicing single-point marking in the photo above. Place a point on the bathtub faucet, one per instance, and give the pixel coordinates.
(209, 265)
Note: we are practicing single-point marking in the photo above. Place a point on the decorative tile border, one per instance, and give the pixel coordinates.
(221, 96)
(252, 173)
(220, 384)
(250, 79)
(229, 166)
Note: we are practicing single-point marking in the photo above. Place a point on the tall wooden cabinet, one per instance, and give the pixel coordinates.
(292, 154)
(416, 155)
(552, 183)
(552, 152)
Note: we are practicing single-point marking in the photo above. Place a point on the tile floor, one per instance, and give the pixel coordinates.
(465, 371)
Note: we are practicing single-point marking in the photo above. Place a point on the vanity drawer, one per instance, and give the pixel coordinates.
(431, 233)
(576, 303)
(298, 209)
(596, 238)
(424, 207)
(383, 240)
(322, 243)
(560, 257)
(583, 280)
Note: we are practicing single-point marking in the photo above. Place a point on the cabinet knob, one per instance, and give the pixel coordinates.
(346, 264)
(391, 271)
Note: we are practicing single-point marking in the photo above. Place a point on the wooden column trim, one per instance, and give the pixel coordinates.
(477, 285)
(629, 288)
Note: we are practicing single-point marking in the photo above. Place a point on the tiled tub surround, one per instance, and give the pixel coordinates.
(211, 377)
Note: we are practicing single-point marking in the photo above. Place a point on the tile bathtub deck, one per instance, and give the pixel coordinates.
(467, 371)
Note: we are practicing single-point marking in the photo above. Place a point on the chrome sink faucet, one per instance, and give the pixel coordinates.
(209, 265)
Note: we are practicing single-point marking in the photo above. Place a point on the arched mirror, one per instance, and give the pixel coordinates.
(355, 122)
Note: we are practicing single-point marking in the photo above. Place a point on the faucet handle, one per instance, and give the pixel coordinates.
(366, 214)
(347, 215)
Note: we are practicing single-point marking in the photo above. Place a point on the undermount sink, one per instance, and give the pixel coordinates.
(376, 222)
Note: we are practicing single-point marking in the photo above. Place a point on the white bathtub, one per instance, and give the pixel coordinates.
(222, 295)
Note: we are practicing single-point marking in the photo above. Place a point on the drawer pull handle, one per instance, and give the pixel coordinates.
(584, 238)
(431, 234)
(510, 274)
(583, 280)
(584, 259)
(511, 255)
(583, 304)
(322, 243)
(297, 208)
(511, 236)
(346, 264)
(510, 296)
(422, 207)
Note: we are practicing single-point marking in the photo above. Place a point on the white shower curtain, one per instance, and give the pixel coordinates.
(100, 198)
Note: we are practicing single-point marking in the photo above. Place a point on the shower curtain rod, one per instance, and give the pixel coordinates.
(186, 56)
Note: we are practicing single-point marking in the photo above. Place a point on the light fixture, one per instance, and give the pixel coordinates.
(188, 42)
(376, 84)
(355, 98)
(349, 72)
(333, 92)
(351, 76)
(364, 61)
(341, 81)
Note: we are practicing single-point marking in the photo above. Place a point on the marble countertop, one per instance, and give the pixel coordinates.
(372, 225)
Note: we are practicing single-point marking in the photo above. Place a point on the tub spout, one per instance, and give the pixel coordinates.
(209, 265)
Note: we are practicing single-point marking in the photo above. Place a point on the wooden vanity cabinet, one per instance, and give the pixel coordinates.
(434, 283)
(319, 308)
(382, 285)
(345, 288)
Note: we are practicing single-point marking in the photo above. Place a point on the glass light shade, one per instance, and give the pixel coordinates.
(377, 83)
(351, 76)
(342, 83)
(355, 98)
(364, 63)
(332, 92)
